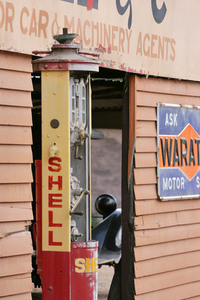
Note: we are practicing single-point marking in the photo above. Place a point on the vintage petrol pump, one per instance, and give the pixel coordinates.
(69, 258)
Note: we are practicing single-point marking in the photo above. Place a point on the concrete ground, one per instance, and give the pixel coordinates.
(105, 274)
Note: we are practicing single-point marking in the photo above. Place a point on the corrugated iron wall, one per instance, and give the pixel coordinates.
(167, 234)
(15, 176)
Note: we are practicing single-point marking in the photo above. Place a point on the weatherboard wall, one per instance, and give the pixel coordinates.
(166, 234)
(15, 176)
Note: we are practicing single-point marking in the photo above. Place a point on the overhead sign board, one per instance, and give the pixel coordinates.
(154, 37)
(178, 136)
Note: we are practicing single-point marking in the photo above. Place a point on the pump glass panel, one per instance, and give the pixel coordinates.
(79, 158)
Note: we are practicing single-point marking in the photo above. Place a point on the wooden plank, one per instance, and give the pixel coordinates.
(145, 160)
(145, 192)
(15, 80)
(20, 116)
(15, 154)
(15, 98)
(15, 192)
(146, 113)
(132, 118)
(163, 235)
(175, 87)
(166, 264)
(14, 265)
(24, 205)
(166, 249)
(13, 227)
(16, 284)
(152, 99)
(145, 176)
(15, 173)
(146, 129)
(16, 244)
(145, 145)
(15, 135)
(24, 296)
(14, 61)
(167, 219)
(147, 207)
(179, 293)
(9, 214)
(166, 280)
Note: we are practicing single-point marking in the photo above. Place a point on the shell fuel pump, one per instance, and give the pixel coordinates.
(66, 256)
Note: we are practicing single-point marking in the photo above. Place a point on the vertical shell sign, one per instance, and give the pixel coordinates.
(178, 137)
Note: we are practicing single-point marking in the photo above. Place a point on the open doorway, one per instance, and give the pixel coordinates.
(107, 100)
(107, 105)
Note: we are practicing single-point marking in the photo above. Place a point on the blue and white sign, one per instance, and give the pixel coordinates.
(178, 137)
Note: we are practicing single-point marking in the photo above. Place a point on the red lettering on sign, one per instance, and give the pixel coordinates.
(59, 182)
(52, 200)
(51, 223)
(51, 241)
(52, 162)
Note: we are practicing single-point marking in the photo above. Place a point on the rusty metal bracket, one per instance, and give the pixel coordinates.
(83, 193)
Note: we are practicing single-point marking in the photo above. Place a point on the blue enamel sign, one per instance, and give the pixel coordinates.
(178, 137)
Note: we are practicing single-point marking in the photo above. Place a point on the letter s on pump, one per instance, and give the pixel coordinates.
(80, 265)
